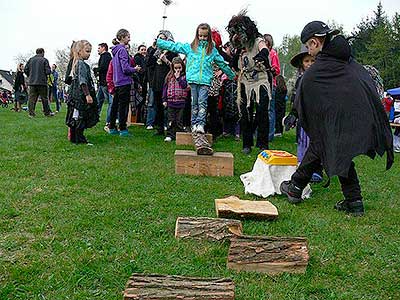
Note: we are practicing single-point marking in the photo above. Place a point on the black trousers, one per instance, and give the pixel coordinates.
(160, 114)
(280, 108)
(175, 121)
(249, 123)
(34, 92)
(311, 163)
(77, 136)
(214, 125)
(120, 106)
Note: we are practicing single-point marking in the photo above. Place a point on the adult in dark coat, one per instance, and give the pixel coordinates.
(160, 62)
(101, 73)
(37, 69)
(340, 110)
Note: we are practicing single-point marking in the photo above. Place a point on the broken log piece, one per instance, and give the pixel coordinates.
(233, 207)
(185, 138)
(270, 255)
(157, 287)
(207, 228)
(218, 164)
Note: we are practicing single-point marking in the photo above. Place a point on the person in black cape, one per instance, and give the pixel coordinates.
(340, 110)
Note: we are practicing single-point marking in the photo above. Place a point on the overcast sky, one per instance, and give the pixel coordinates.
(53, 24)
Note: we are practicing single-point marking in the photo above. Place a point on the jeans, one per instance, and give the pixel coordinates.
(151, 112)
(199, 103)
(120, 106)
(103, 94)
(271, 114)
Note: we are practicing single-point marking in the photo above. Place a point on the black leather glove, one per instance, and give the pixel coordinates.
(290, 121)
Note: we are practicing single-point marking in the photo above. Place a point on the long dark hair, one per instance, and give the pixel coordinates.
(195, 43)
(175, 61)
(280, 83)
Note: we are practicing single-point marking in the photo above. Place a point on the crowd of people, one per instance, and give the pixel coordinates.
(233, 88)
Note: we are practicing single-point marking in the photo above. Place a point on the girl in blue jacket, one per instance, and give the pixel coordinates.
(200, 55)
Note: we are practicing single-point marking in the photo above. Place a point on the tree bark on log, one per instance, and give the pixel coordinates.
(158, 287)
(233, 207)
(207, 228)
(270, 255)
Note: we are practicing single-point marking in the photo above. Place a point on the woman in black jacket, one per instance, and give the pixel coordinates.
(20, 88)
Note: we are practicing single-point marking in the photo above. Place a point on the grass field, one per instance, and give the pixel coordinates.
(76, 221)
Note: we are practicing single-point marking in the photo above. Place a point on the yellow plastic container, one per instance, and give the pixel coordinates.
(278, 157)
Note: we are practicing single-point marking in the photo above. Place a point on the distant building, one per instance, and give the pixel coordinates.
(7, 80)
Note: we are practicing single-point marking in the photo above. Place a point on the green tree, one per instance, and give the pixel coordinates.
(290, 47)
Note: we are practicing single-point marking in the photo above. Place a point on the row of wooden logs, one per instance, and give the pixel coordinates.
(271, 255)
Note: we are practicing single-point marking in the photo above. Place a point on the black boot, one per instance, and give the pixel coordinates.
(353, 207)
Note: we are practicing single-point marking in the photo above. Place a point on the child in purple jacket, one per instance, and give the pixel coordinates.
(175, 93)
(122, 78)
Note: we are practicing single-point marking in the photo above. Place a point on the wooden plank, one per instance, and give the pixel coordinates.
(218, 164)
(158, 287)
(272, 255)
(233, 207)
(211, 229)
(185, 138)
(395, 124)
(137, 124)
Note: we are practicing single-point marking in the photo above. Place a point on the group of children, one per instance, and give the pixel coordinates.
(323, 107)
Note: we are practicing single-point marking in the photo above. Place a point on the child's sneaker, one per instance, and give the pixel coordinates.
(200, 129)
(168, 139)
(291, 191)
(125, 133)
(113, 131)
(316, 178)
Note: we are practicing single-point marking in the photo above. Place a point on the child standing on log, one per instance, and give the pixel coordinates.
(175, 93)
(200, 55)
(82, 104)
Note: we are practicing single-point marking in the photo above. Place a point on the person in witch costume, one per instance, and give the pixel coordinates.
(340, 110)
(254, 81)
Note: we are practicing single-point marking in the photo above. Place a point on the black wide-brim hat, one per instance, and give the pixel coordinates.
(297, 60)
(316, 28)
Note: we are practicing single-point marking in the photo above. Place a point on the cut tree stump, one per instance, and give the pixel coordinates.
(207, 228)
(158, 287)
(218, 164)
(185, 138)
(270, 255)
(233, 207)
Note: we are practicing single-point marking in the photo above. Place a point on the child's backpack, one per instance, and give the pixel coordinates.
(230, 110)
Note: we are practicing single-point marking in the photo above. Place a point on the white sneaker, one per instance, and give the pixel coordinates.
(194, 128)
(200, 129)
(168, 139)
(149, 127)
(106, 129)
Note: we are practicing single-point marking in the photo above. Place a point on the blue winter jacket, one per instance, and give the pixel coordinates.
(198, 64)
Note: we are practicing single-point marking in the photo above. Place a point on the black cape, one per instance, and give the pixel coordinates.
(340, 110)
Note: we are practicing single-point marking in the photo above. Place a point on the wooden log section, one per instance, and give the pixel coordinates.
(158, 287)
(218, 164)
(270, 255)
(185, 138)
(207, 228)
(233, 207)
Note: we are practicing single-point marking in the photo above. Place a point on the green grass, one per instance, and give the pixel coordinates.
(76, 221)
